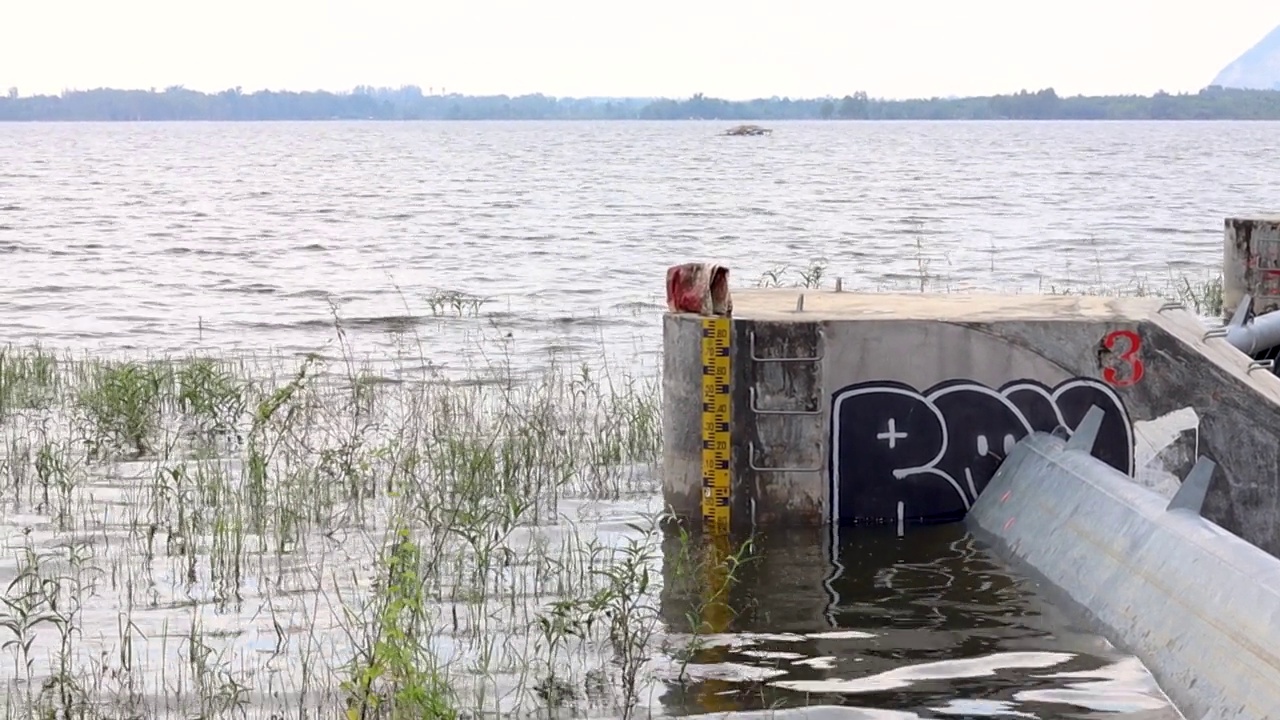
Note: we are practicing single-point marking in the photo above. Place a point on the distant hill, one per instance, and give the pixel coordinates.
(1257, 69)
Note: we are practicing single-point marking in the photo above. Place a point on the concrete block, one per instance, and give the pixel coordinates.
(899, 408)
(681, 414)
(1198, 605)
(1251, 263)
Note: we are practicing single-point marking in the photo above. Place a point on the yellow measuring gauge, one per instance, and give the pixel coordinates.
(715, 424)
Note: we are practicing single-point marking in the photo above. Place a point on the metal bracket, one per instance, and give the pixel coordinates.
(1086, 433)
(757, 410)
(1242, 313)
(1260, 364)
(751, 461)
(1191, 493)
(821, 338)
(1216, 332)
(1173, 305)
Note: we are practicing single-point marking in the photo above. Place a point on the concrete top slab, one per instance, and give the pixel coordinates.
(1188, 329)
(1273, 218)
(779, 305)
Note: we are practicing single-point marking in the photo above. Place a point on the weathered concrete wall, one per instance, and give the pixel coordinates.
(1194, 396)
(765, 444)
(779, 423)
(924, 411)
(682, 414)
(1198, 605)
(900, 408)
(874, 358)
(1251, 263)
(1237, 424)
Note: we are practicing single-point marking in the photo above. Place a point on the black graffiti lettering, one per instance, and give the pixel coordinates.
(1074, 401)
(898, 453)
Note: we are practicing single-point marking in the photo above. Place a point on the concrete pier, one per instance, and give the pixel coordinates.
(855, 408)
(1251, 263)
(1059, 427)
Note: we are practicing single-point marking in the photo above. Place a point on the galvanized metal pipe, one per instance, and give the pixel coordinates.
(1252, 335)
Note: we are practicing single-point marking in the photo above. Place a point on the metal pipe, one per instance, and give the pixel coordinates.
(1252, 335)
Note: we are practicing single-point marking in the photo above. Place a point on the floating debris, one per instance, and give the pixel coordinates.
(748, 130)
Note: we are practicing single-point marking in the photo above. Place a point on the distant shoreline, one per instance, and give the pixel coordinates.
(411, 104)
(636, 121)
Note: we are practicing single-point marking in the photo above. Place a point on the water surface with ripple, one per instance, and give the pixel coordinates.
(929, 625)
(251, 237)
(169, 236)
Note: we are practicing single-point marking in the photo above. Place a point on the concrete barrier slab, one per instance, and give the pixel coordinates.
(881, 408)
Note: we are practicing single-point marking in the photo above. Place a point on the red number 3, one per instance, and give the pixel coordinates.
(1129, 357)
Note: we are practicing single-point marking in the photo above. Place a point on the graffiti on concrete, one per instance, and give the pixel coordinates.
(1165, 449)
(899, 454)
(1119, 359)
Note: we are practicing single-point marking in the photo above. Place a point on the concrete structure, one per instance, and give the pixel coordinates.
(1058, 427)
(899, 408)
(1199, 606)
(1251, 264)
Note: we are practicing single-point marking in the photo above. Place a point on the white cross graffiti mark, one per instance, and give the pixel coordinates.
(892, 434)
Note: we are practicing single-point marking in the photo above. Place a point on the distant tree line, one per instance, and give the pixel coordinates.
(410, 103)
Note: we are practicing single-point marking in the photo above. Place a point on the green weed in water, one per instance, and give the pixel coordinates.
(211, 396)
(222, 494)
(394, 675)
(121, 404)
(28, 379)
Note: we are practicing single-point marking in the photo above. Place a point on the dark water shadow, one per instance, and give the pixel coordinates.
(869, 625)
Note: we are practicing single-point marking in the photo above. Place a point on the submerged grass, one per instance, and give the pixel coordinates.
(1201, 292)
(330, 537)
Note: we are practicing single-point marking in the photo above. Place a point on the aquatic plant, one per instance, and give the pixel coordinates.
(221, 536)
(1200, 293)
(461, 304)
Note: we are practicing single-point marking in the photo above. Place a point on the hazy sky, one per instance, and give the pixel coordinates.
(738, 49)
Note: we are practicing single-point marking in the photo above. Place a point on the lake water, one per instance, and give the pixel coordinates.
(168, 236)
(927, 626)
(149, 239)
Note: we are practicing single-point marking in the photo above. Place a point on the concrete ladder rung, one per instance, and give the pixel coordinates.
(818, 415)
(755, 408)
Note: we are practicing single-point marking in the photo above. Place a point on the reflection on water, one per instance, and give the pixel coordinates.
(927, 626)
